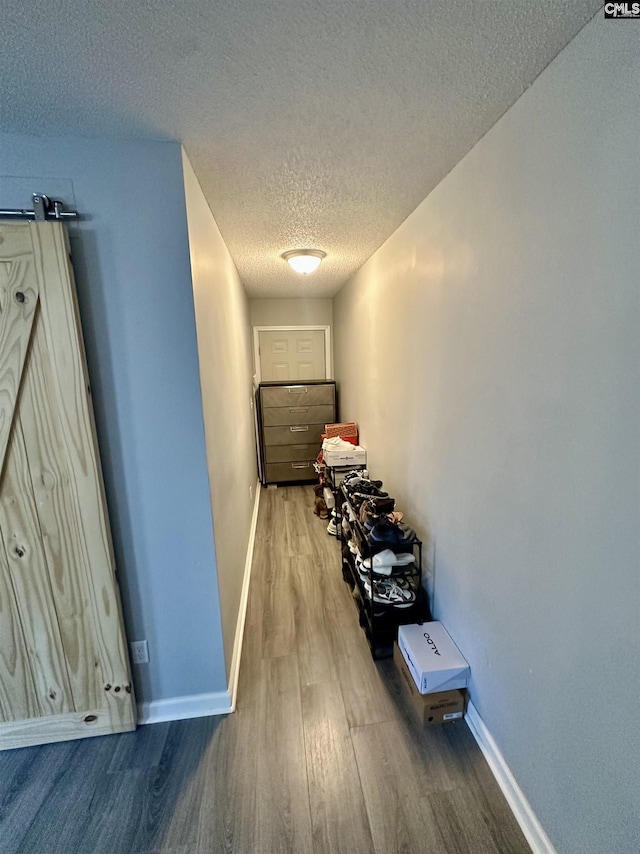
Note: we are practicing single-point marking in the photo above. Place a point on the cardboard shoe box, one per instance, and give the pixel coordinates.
(430, 708)
(433, 659)
(347, 430)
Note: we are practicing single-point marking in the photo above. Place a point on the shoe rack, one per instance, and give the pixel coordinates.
(379, 618)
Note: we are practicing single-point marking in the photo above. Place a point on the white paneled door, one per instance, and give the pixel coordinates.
(64, 670)
(292, 354)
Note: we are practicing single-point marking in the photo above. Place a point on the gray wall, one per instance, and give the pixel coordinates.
(224, 347)
(291, 312)
(490, 352)
(131, 257)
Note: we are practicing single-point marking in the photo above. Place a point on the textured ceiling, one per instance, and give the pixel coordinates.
(309, 124)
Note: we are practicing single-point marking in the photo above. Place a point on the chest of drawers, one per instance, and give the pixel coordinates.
(291, 420)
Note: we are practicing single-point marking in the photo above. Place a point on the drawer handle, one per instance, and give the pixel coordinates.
(299, 465)
(298, 409)
(298, 390)
(299, 447)
(298, 429)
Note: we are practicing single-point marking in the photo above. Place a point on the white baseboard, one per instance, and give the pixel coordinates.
(181, 708)
(234, 670)
(520, 807)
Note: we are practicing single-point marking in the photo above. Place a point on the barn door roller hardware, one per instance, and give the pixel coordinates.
(43, 208)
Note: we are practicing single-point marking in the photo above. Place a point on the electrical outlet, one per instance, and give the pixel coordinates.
(139, 652)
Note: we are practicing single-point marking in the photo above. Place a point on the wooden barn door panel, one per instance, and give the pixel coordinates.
(28, 570)
(64, 670)
(18, 697)
(19, 301)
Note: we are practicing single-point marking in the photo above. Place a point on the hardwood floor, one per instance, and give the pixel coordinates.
(321, 757)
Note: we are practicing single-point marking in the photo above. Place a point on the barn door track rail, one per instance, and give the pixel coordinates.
(44, 208)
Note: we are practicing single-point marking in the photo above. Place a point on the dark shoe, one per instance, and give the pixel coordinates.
(352, 475)
(396, 535)
(366, 487)
(373, 509)
(356, 498)
(320, 508)
(380, 506)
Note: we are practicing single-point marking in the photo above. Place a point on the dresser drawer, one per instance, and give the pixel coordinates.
(279, 472)
(274, 416)
(299, 434)
(297, 395)
(290, 453)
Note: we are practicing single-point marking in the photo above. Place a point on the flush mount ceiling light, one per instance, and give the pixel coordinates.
(304, 260)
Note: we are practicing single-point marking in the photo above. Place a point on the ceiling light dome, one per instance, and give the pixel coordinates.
(304, 260)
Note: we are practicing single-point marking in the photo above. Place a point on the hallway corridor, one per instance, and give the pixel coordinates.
(340, 764)
(321, 755)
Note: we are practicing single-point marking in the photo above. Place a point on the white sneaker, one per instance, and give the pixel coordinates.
(353, 548)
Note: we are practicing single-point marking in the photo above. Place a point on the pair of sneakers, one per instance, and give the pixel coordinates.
(396, 592)
(365, 486)
(332, 527)
(360, 488)
(348, 512)
(354, 474)
(353, 548)
(374, 509)
(396, 534)
(347, 535)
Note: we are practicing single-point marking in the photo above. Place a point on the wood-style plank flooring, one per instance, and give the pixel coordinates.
(321, 757)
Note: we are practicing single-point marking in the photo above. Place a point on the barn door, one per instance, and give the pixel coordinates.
(64, 671)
